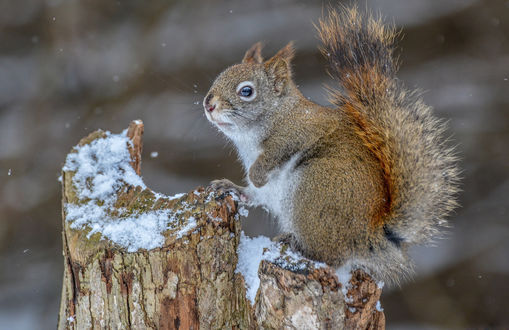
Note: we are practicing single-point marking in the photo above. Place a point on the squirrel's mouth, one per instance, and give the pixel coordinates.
(223, 124)
(216, 119)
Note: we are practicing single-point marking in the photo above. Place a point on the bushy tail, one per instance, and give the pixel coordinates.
(419, 169)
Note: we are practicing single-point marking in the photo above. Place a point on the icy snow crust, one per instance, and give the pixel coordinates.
(101, 169)
(251, 252)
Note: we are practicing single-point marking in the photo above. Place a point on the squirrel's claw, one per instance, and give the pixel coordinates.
(288, 239)
(225, 186)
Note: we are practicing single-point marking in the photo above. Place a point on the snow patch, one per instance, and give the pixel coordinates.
(344, 275)
(251, 252)
(243, 211)
(191, 224)
(176, 196)
(100, 169)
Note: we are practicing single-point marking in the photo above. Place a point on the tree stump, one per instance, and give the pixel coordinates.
(184, 277)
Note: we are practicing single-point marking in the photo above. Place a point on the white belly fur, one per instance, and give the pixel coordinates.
(277, 194)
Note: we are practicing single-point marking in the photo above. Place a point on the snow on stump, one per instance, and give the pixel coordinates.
(137, 259)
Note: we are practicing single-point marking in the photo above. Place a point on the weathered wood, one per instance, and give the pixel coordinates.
(191, 282)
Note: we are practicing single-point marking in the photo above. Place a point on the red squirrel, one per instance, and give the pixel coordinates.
(354, 184)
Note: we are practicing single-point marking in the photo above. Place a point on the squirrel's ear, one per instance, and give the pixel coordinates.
(279, 67)
(254, 54)
(287, 52)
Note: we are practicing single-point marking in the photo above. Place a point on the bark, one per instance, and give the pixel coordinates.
(190, 282)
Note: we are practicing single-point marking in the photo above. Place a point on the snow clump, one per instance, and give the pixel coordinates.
(251, 252)
(100, 169)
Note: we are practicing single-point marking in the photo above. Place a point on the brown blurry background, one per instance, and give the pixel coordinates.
(70, 67)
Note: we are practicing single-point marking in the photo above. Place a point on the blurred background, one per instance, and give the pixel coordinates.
(70, 67)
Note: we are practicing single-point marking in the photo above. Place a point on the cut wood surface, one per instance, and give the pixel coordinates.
(190, 280)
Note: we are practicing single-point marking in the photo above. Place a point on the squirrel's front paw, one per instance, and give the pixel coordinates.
(224, 186)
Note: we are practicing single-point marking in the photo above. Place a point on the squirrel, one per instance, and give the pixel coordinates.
(351, 185)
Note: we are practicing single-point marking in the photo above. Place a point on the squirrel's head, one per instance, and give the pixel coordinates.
(241, 96)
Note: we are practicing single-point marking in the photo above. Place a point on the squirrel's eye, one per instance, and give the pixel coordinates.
(246, 91)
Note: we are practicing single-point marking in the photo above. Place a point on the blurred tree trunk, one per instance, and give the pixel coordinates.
(190, 282)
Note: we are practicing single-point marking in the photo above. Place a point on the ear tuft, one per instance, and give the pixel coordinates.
(287, 52)
(254, 54)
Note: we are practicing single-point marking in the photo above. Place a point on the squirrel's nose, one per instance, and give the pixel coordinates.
(206, 103)
(211, 108)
